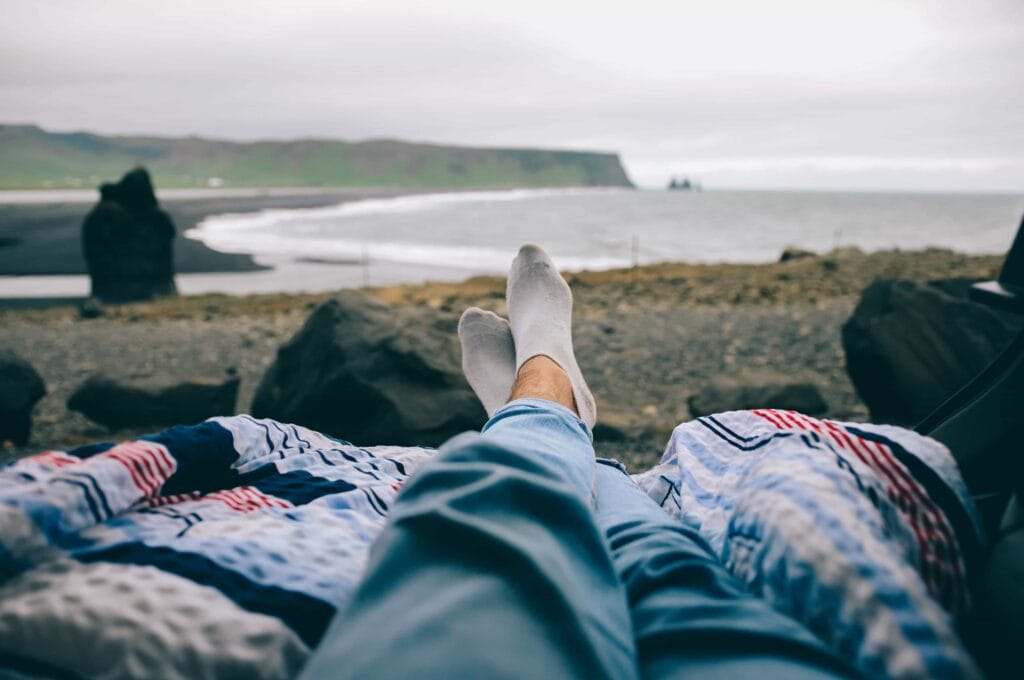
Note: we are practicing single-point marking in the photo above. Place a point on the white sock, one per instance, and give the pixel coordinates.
(540, 311)
(488, 357)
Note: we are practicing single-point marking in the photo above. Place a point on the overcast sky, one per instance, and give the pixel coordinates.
(892, 94)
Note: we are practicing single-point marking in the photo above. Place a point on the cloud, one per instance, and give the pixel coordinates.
(725, 81)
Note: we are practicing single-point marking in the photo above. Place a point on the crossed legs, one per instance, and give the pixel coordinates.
(512, 554)
(491, 565)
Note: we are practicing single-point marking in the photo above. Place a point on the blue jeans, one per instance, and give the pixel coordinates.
(514, 554)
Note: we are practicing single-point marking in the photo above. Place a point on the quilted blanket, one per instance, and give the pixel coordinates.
(224, 549)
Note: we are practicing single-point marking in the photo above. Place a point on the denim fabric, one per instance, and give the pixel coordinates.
(690, 616)
(549, 432)
(490, 567)
(495, 564)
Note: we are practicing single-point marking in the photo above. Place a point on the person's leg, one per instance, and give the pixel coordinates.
(551, 431)
(691, 618)
(690, 615)
(491, 564)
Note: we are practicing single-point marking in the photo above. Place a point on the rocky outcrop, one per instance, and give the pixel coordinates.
(128, 242)
(152, 402)
(911, 345)
(372, 374)
(757, 389)
(794, 253)
(90, 308)
(20, 388)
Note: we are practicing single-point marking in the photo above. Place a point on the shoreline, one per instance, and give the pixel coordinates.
(285, 278)
(43, 239)
(41, 262)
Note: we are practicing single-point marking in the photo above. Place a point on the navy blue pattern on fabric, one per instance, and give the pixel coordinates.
(90, 449)
(298, 487)
(204, 454)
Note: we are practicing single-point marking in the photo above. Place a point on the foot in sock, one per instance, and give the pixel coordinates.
(488, 357)
(540, 311)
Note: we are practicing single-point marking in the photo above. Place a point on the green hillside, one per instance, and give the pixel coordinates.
(32, 158)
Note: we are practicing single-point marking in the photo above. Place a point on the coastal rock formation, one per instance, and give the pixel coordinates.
(372, 374)
(128, 242)
(757, 389)
(200, 162)
(20, 388)
(911, 345)
(119, 404)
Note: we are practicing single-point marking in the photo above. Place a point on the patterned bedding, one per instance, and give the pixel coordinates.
(224, 549)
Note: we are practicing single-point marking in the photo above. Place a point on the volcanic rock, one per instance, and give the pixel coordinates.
(128, 242)
(117, 403)
(911, 345)
(372, 374)
(757, 389)
(20, 388)
(794, 253)
(90, 308)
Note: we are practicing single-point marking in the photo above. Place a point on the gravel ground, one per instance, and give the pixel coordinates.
(647, 339)
(642, 364)
(67, 352)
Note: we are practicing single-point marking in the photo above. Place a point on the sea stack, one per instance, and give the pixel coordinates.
(128, 242)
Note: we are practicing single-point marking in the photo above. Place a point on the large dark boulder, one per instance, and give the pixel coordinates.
(20, 388)
(372, 374)
(128, 242)
(757, 389)
(153, 402)
(911, 345)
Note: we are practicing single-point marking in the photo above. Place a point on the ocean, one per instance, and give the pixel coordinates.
(439, 236)
(606, 228)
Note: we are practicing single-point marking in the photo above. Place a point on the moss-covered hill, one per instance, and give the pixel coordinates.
(32, 158)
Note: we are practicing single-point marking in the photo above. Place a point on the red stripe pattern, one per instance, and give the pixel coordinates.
(246, 499)
(148, 463)
(53, 459)
(939, 560)
(171, 499)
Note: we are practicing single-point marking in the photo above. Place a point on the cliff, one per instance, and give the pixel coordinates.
(34, 158)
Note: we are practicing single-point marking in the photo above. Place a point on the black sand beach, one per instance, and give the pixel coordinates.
(45, 239)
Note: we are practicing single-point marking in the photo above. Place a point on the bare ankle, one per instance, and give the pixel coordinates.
(541, 378)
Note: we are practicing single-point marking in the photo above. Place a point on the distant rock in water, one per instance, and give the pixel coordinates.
(20, 388)
(128, 242)
(372, 374)
(154, 402)
(909, 346)
(757, 389)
